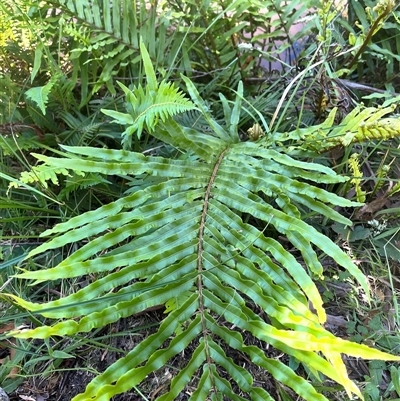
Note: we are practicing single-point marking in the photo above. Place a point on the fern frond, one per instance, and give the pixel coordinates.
(384, 129)
(185, 230)
(42, 174)
(10, 146)
(148, 105)
(359, 125)
(77, 182)
(40, 95)
(357, 177)
(82, 129)
(162, 228)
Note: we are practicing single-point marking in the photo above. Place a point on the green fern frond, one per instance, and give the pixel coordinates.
(193, 217)
(106, 39)
(82, 129)
(77, 182)
(10, 146)
(185, 230)
(148, 105)
(40, 95)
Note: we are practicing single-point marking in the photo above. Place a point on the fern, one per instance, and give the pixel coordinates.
(40, 95)
(354, 165)
(113, 45)
(9, 145)
(83, 129)
(79, 182)
(184, 231)
(361, 124)
(156, 101)
(42, 174)
(105, 37)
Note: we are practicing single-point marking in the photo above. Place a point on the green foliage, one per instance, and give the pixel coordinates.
(205, 226)
(189, 215)
(361, 124)
(40, 94)
(147, 105)
(371, 30)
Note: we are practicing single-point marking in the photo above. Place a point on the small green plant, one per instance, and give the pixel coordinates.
(200, 235)
(371, 30)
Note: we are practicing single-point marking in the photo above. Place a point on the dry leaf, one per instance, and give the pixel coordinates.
(368, 211)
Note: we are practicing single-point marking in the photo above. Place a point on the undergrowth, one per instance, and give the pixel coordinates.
(205, 164)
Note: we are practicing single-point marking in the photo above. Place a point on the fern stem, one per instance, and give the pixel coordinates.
(200, 256)
(370, 33)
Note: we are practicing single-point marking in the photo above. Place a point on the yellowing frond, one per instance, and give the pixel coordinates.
(357, 177)
(381, 175)
(383, 129)
(42, 174)
(395, 189)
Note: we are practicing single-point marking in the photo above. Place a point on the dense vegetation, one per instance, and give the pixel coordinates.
(199, 200)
